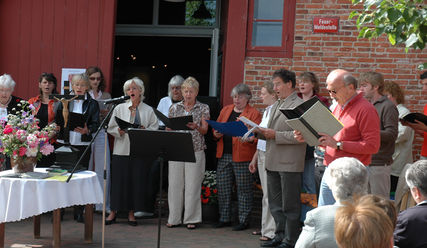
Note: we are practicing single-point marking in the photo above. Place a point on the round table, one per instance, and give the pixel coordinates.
(23, 198)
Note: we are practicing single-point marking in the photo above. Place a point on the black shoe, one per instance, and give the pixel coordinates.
(271, 243)
(132, 223)
(109, 222)
(222, 224)
(80, 218)
(241, 226)
(284, 245)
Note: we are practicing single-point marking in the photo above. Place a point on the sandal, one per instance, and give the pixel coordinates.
(191, 226)
(264, 238)
(171, 225)
(256, 233)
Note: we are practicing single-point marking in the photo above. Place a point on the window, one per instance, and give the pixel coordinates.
(270, 28)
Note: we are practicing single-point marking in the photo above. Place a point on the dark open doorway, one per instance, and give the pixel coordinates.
(156, 59)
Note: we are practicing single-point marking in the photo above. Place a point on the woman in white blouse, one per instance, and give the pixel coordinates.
(269, 97)
(99, 148)
(174, 96)
(129, 177)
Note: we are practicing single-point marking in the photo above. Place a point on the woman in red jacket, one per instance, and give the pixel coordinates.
(234, 156)
(45, 109)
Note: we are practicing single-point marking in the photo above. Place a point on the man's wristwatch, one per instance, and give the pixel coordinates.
(339, 145)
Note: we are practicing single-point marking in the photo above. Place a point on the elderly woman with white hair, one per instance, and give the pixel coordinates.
(347, 178)
(234, 157)
(7, 101)
(81, 136)
(8, 105)
(174, 96)
(129, 177)
(185, 178)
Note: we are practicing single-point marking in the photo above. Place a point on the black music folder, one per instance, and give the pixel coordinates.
(174, 123)
(411, 117)
(124, 125)
(311, 118)
(75, 120)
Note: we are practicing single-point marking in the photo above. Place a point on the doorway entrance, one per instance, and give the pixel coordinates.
(158, 39)
(157, 59)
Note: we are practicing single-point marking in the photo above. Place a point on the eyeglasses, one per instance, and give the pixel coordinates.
(334, 91)
(95, 78)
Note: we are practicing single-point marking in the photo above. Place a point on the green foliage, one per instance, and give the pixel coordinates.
(403, 21)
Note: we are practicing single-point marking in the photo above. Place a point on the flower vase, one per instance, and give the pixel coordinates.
(22, 165)
(210, 213)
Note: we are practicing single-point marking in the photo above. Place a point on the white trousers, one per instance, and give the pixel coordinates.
(185, 186)
(268, 226)
(96, 164)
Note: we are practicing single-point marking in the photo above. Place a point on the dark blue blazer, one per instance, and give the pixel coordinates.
(411, 228)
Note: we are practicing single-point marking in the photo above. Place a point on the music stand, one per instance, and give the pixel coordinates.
(167, 145)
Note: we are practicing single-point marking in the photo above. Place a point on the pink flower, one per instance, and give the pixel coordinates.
(46, 149)
(7, 130)
(22, 151)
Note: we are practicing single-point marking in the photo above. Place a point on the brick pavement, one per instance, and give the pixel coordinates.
(20, 234)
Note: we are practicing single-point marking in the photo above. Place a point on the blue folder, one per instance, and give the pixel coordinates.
(232, 128)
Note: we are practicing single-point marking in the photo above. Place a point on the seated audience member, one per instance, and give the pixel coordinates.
(364, 224)
(346, 177)
(412, 223)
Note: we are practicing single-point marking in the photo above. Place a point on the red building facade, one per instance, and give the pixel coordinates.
(47, 35)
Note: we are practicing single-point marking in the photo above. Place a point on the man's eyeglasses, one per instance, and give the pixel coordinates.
(334, 91)
(95, 78)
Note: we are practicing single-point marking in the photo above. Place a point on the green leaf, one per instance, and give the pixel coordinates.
(411, 40)
(353, 14)
(392, 38)
(393, 14)
(422, 66)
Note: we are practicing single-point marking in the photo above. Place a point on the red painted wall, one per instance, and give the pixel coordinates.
(48, 35)
(234, 48)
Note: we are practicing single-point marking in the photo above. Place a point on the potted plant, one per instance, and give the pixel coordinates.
(209, 197)
(21, 139)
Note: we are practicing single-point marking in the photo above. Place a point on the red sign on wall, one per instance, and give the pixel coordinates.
(326, 24)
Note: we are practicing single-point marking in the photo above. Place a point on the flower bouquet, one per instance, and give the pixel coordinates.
(21, 139)
(209, 194)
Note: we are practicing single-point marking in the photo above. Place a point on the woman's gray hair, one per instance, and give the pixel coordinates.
(138, 82)
(347, 177)
(176, 80)
(241, 89)
(6, 81)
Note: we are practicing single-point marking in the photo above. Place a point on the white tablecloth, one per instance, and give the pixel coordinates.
(23, 198)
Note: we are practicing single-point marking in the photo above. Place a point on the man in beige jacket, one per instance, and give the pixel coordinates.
(284, 162)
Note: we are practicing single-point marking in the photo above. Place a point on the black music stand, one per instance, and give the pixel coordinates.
(166, 145)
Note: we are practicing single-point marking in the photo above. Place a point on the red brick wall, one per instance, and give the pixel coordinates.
(321, 53)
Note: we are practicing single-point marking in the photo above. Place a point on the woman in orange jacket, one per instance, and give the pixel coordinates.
(234, 156)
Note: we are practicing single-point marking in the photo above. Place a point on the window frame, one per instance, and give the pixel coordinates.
(288, 25)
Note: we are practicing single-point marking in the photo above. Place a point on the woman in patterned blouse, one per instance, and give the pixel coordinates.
(185, 178)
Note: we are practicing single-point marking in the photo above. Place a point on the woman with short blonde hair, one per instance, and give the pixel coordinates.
(185, 178)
